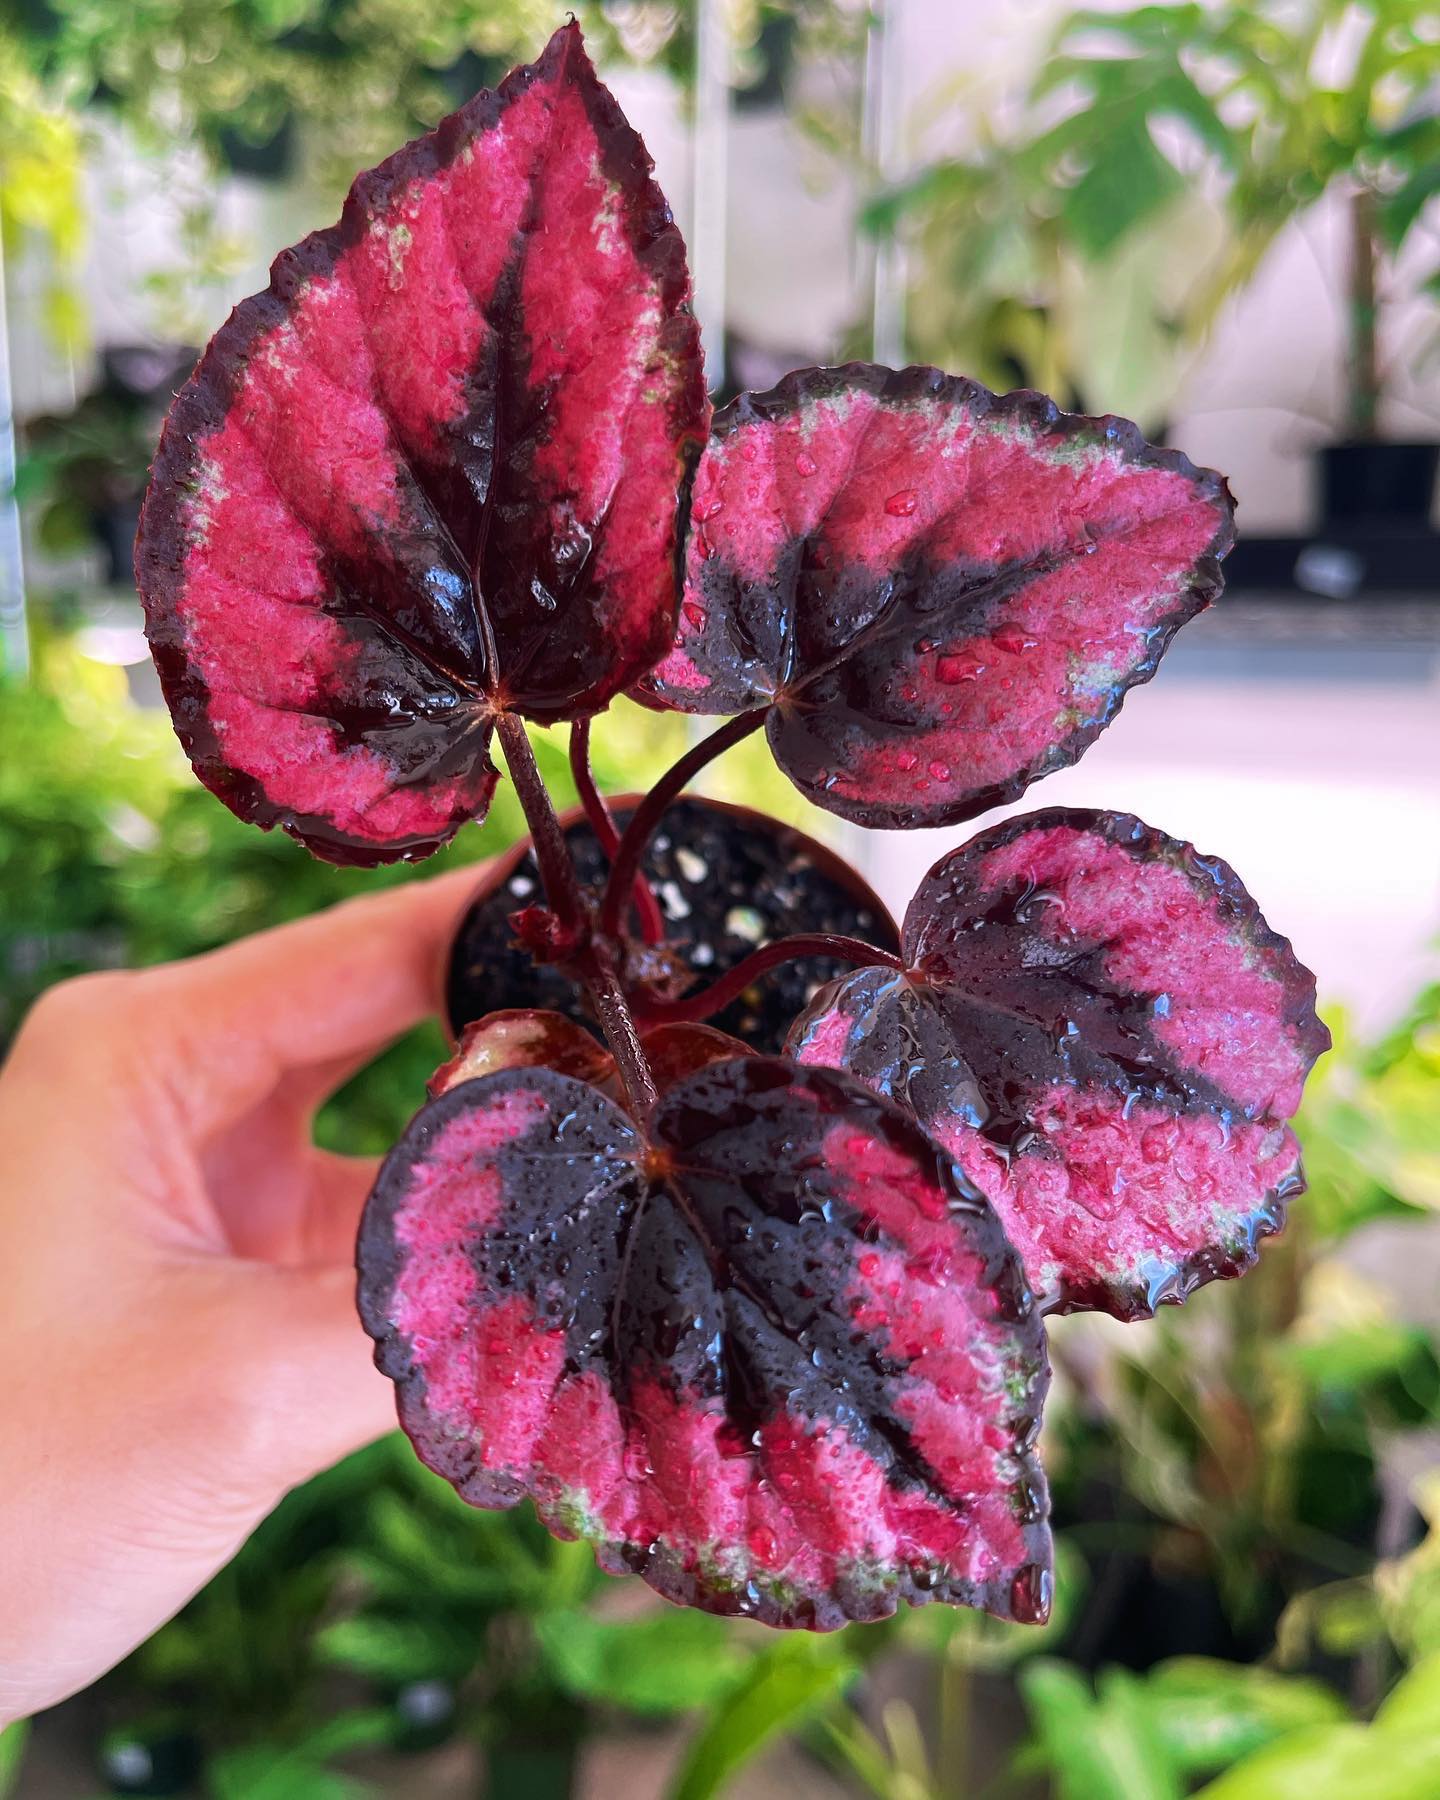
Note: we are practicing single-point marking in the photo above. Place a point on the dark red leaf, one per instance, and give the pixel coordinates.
(527, 1038)
(674, 1051)
(1109, 1037)
(774, 1355)
(728, 879)
(433, 468)
(943, 593)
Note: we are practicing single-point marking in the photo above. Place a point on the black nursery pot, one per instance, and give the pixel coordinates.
(1378, 483)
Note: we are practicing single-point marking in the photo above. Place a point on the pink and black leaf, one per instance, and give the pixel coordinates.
(940, 594)
(431, 472)
(1102, 1028)
(772, 1353)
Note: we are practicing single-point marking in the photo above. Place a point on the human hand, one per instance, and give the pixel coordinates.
(178, 1338)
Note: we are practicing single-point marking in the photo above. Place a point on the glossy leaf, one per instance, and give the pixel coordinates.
(773, 1354)
(431, 470)
(727, 879)
(531, 1039)
(941, 594)
(1100, 1025)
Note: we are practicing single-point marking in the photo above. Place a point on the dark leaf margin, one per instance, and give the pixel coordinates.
(976, 1087)
(625, 1170)
(438, 757)
(764, 661)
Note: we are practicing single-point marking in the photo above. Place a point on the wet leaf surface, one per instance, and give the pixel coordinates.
(943, 594)
(773, 1354)
(1100, 1025)
(433, 468)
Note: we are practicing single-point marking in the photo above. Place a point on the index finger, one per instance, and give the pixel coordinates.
(227, 1025)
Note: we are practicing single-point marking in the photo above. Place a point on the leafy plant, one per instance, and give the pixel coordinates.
(1072, 243)
(1395, 1757)
(1284, 110)
(235, 76)
(1150, 1738)
(751, 1326)
(40, 183)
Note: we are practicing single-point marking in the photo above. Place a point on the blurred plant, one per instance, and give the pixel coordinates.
(83, 472)
(1285, 103)
(1395, 1757)
(1055, 245)
(12, 1752)
(1271, 1735)
(40, 184)
(489, 1611)
(1005, 289)
(1390, 1612)
(1373, 1149)
(771, 41)
(238, 75)
(1150, 1737)
(438, 1620)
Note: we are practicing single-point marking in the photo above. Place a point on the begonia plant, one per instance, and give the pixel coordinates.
(728, 1234)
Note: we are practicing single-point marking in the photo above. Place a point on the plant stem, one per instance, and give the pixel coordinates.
(692, 1007)
(557, 871)
(618, 1023)
(647, 907)
(593, 965)
(648, 813)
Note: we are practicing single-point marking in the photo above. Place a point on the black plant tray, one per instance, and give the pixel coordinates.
(1340, 564)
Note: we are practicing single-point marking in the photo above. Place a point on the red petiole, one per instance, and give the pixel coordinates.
(607, 833)
(651, 810)
(563, 894)
(595, 960)
(693, 1008)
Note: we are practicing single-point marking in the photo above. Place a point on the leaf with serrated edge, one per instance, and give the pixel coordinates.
(1100, 1025)
(771, 1353)
(432, 470)
(941, 594)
